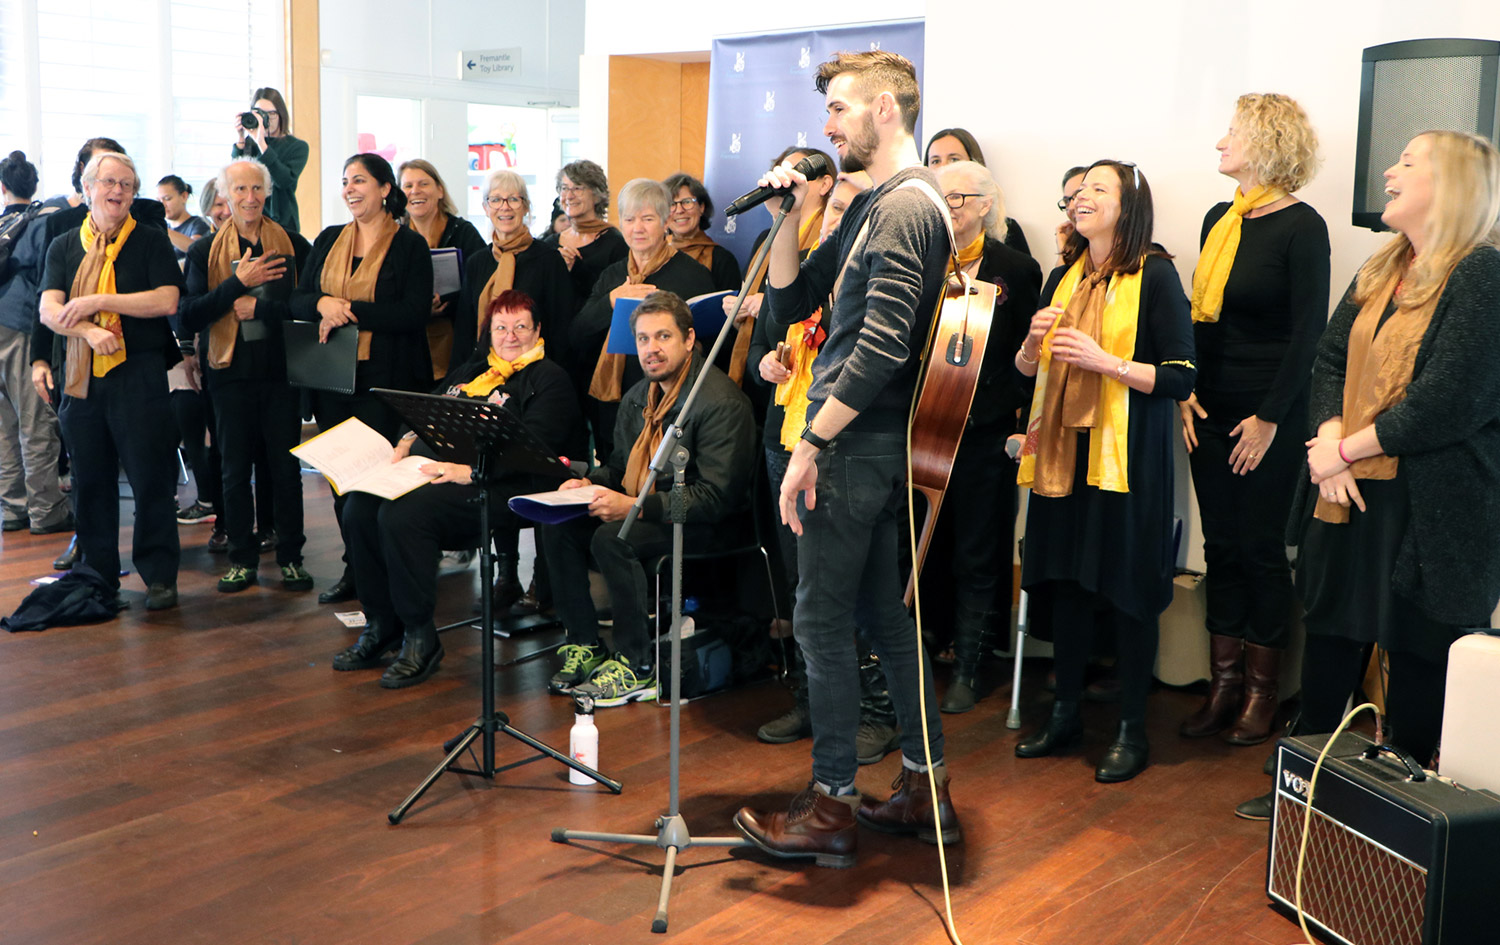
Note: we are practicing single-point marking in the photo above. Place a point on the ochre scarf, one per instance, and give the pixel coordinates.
(502, 370)
(609, 370)
(1219, 250)
(659, 403)
(803, 340)
(96, 274)
(580, 233)
(432, 234)
(222, 255)
(1378, 369)
(341, 281)
(503, 278)
(808, 232)
(1070, 399)
(698, 247)
(969, 254)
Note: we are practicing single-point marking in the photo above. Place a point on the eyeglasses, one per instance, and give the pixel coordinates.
(1067, 201)
(107, 184)
(512, 202)
(515, 331)
(572, 189)
(686, 203)
(956, 201)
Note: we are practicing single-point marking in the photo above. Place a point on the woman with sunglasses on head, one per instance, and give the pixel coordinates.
(1110, 355)
(374, 274)
(1260, 300)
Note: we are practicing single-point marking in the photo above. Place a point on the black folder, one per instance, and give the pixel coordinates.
(327, 366)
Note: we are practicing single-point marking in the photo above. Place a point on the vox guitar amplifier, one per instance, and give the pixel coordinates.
(1394, 856)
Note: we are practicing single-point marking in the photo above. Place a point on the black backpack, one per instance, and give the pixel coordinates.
(11, 230)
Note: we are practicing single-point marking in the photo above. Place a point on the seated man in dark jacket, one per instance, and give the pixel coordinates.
(720, 439)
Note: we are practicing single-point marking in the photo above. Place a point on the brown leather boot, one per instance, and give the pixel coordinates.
(909, 811)
(816, 825)
(1226, 688)
(1262, 674)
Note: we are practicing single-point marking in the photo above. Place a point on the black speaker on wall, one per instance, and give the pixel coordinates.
(1413, 86)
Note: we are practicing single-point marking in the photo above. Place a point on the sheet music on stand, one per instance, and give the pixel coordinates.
(456, 428)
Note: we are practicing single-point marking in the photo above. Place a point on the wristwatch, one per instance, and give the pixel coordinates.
(813, 438)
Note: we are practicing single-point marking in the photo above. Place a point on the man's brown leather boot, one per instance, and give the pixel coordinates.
(816, 825)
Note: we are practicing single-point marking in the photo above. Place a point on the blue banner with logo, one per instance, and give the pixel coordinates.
(761, 101)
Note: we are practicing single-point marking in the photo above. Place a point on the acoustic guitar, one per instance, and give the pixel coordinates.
(945, 392)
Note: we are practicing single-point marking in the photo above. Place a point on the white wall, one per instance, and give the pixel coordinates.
(410, 49)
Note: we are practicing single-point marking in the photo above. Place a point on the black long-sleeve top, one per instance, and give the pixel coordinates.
(201, 307)
(608, 248)
(1019, 279)
(541, 394)
(1257, 358)
(725, 270)
(398, 318)
(719, 438)
(541, 274)
(680, 274)
(1445, 434)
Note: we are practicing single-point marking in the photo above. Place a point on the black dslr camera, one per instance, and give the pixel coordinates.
(253, 118)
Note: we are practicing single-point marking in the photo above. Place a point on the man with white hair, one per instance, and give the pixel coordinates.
(238, 284)
(107, 287)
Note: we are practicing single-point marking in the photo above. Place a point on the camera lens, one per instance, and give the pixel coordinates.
(249, 120)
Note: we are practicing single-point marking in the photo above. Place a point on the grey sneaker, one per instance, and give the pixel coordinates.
(794, 725)
(616, 683)
(874, 741)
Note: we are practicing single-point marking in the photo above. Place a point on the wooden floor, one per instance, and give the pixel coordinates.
(202, 776)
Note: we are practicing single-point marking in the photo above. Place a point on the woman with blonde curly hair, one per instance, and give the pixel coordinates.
(1400, 501)
(1260, 300)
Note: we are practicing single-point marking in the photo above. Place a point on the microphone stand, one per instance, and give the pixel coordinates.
(671, 829)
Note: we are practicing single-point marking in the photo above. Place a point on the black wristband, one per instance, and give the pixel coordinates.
(813, 438)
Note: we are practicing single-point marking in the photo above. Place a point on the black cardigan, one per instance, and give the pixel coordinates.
(681, 274)
(1019, 280)
(201, 307)
(459, 234)
(398, 348)
(541, 274)
(1446, 434)
(607, 248)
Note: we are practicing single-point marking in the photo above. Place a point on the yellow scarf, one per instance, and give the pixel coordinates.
(1219, 250)
(808, 232)
(502, 370)
(969, 253)
(340, 280)
(804, 340)
(609, 371)
(96, 274)
(1109, 429)
(1378, 368)
(224, 333)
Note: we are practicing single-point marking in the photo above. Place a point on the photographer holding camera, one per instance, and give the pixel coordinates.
(263, 134)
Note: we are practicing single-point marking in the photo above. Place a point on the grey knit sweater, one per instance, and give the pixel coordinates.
(884, 308)
(1446, 434)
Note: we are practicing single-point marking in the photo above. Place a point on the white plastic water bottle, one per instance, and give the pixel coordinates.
(583, 740)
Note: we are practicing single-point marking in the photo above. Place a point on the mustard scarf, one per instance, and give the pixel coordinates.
(1219, 250)
(502, 370)
(659, 403)
(96, 274)
(503, 278)
(698, 247)
(969, 253)
(224, 333)
(808, 233)
(1109, 431)
(340, 279)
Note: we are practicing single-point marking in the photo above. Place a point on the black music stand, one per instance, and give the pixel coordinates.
(672, 833)
(482, 436)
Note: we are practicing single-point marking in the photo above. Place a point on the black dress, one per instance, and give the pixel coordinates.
(1119, 545)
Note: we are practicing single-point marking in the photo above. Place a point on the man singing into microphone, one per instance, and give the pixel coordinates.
(845, 482)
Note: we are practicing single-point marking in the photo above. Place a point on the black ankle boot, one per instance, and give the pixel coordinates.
(973, 638)
(1128, 756)
(1063, 728)
(419, 658)
(367, 652)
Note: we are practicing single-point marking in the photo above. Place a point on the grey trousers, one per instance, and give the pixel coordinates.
(29, 443)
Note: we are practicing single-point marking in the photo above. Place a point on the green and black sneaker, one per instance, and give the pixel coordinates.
(616, 683)
(579, 663)
(236, 579)
(294, 577)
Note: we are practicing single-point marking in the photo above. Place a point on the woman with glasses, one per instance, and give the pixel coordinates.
(1072, 183)
(395, 544)
(430, 212)
(957, 144)
(588, 244)
(971, 549)
(650, 264)
(1260, 300)
(687, 219)
(514, 262)
(1110, 355)
(107, 289)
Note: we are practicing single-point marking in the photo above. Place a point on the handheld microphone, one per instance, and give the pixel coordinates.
(812, 167)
